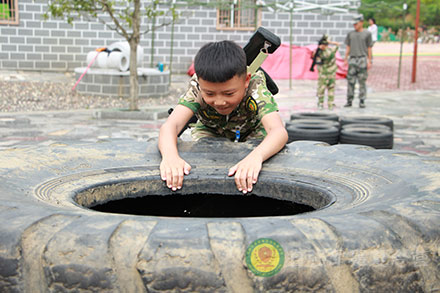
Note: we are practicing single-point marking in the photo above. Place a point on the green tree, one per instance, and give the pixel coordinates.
(122, 16)
(389, 12)
(429, 12)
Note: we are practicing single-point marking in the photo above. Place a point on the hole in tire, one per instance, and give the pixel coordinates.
(152, 198)
(203, 205)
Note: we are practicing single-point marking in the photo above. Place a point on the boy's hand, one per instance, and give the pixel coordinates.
(246, 172)
(173, 170)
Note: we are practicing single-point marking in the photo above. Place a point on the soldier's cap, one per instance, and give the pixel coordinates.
(358, 18)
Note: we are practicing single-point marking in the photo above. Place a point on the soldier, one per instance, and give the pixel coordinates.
(229, 102)
(327, 72)
(358, 56)
(385, 36)
(431, 35)
(400, 35)
(409, 35)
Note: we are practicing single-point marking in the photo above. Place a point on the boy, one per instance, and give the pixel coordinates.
(327, 72)
(228, 102)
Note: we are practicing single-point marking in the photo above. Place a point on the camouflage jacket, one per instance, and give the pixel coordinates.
(328, 57)
(246, 118)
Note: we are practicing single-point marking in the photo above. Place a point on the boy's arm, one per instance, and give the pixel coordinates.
(247, 170)
(173, 167)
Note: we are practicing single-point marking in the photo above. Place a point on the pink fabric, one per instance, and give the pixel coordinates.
(277, 64)
(191, 70)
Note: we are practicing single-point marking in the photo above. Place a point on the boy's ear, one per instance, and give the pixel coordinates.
(248, 79)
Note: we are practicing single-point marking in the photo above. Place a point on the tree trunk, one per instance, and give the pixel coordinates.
(134, 83)
(134, 42)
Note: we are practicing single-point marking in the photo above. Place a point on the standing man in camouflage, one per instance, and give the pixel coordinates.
(358, 56)
(327, 72)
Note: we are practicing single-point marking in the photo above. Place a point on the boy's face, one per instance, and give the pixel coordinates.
(224, 97)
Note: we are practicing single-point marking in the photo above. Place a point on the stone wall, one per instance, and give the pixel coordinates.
(111, 82)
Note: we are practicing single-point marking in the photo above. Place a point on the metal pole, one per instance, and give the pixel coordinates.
(290, 46)
(152, 35)
(416, 36)
(401, 44)
(172, 45)
(233, 13)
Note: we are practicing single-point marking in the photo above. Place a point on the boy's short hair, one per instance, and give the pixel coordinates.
(220, 61)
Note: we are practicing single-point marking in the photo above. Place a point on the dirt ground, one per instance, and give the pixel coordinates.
(384, 75)
(393, 49)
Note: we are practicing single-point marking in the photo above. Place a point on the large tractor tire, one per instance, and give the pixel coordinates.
(374, 228)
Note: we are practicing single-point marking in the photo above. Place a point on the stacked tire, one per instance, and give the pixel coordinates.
(313, 126)
(376, 132)
(373, 131)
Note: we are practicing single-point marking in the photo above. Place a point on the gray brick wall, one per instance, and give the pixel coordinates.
(54, 45)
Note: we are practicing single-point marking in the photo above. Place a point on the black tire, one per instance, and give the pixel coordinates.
(315, 115)
(375, 137)
(367, 120)
(324, 133)
(314, 122)
(375, 227)
(369, 126)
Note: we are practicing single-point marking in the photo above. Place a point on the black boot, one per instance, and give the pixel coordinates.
(348, 104)
(362, 104)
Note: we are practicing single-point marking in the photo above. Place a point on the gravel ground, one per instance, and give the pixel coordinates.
(31, 91)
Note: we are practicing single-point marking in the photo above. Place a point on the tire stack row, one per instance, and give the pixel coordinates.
(373, 131)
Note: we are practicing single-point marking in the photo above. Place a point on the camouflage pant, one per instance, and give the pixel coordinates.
(357, 70)
(326, 82)
(199, 130)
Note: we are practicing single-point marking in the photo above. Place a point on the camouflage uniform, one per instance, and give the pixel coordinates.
(359, 43)
(327, 76)
(246, 118)
(357, 69)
